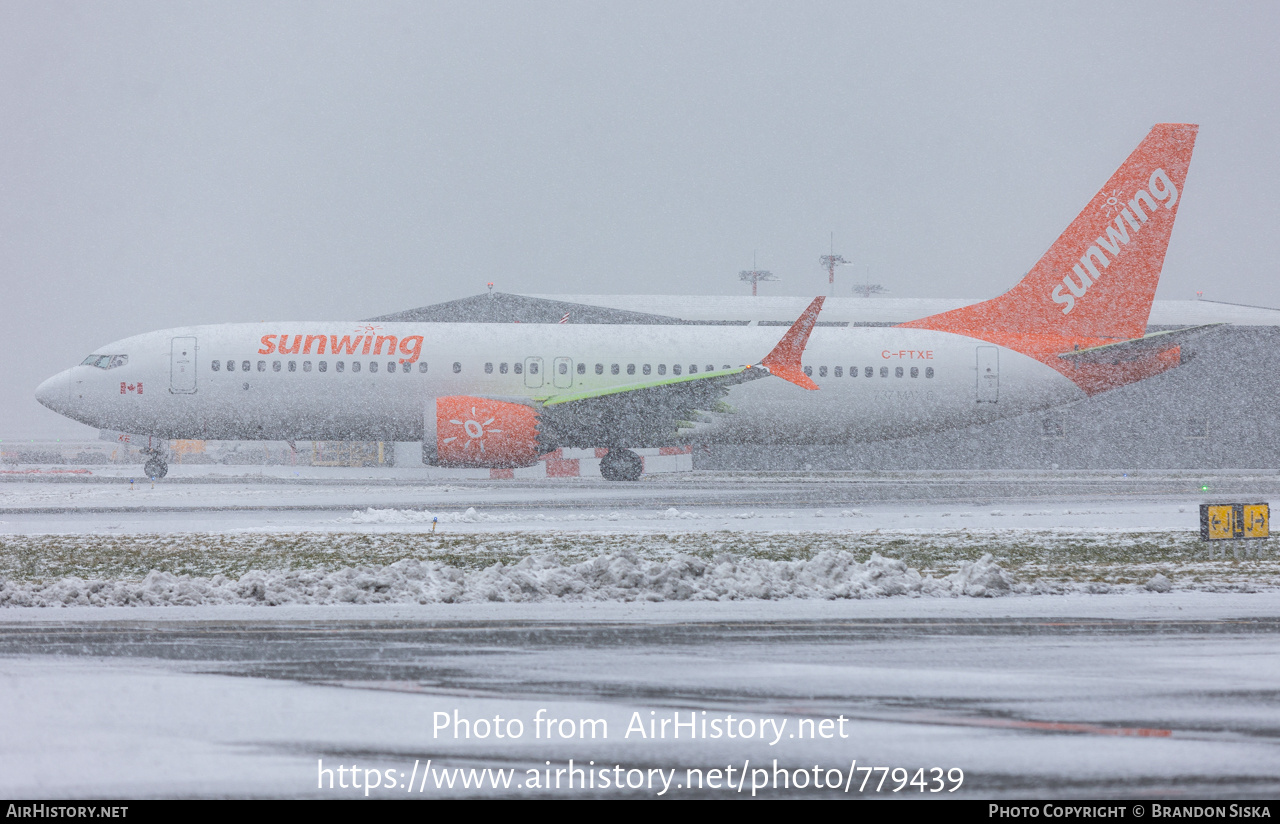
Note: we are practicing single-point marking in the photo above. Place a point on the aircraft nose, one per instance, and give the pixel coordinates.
(53, 393)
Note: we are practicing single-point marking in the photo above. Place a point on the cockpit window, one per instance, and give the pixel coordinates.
(105, 361)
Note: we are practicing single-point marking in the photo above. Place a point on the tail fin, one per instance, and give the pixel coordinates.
(1099, 277)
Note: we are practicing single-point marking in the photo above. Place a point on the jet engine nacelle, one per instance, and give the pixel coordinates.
(461, 430)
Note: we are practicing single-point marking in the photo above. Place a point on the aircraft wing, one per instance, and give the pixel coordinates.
(1128, 350)
(649, 413)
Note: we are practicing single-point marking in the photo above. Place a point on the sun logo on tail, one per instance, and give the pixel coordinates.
(1113, 202)
(474, 429)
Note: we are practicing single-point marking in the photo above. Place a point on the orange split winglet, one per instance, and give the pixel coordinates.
(784, 360)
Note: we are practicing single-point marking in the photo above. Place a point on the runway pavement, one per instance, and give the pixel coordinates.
(1036, 704)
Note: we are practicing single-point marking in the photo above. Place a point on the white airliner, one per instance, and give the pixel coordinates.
(501, 395)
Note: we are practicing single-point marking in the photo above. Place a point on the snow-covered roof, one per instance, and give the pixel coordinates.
(887, 310)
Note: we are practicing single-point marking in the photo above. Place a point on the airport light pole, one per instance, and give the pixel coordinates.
(830, 262)
(754, 276)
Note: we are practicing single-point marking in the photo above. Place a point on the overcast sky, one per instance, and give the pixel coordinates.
(166, 163)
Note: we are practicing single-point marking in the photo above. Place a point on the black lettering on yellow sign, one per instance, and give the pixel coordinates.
(1234, 521)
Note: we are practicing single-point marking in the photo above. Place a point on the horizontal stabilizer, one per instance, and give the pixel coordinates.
(1129, 350)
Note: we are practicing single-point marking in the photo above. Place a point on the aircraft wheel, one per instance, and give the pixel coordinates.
(621, 465)
(156, 468)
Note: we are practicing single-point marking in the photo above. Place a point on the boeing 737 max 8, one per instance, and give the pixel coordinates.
(501, 395)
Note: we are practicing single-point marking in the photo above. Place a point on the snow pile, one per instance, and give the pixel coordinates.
(618, 576)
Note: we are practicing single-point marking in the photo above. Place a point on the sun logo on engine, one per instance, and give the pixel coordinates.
(474, 429)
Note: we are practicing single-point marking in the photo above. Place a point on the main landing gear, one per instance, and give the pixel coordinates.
(621, 465)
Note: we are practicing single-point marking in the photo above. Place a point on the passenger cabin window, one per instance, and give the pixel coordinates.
(422, 367)
(457, 367)
(839, 372)
(355, 366)
(391, 367)
(517, 367)
(711, 367)
(293, 366)
(582, 369)
(675, 369)
(897, 372)
(808, 370)
(599, 368)
(928, 371)
(915, 371)
(216, 365)
(231, 366)
(502, 369)
(323, 366)
(533, 368)
(488, 368)
(338, 366)
(275, 366)
(306, 366)
(406, 367)
(662, 369)
(884, 371)
(631, 369)
(868, 372)
(262, 366)
(564, 369)
(693, 369)
(244, 366)
(822, 371)
(646, 369)
(373, 366)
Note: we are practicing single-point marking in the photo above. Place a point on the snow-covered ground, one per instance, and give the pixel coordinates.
(339, 537)
(1048, 635)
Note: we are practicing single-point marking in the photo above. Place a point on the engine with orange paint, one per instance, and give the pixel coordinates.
(485, 433)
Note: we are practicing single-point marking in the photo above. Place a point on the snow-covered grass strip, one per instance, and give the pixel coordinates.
(621, 576)
(423, 567)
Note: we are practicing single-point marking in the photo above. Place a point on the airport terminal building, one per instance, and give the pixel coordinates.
(1218, 410)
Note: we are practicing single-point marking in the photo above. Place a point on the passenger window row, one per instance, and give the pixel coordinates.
(870, 371)
(322, 366)
(112, 361)
(614, 369)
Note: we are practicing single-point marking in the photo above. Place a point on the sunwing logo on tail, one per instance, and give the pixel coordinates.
(1127, 224)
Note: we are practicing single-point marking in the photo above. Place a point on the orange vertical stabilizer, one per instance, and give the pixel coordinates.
(1098, 279)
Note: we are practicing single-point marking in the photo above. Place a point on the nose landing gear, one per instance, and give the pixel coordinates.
(621, 465)
(155, 468)
(156, 465)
